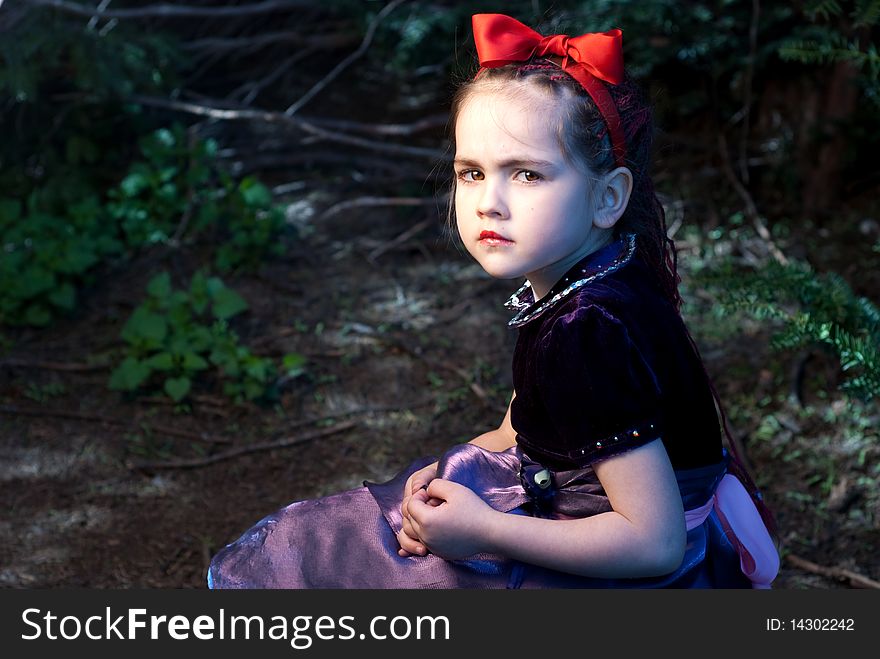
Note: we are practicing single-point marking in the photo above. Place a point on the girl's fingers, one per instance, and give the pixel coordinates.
(409, 546)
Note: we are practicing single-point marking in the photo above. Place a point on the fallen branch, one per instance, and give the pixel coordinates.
(250, 43)
(279, 117)
(751, 208)
(53, 366)
(400, 239)
(361, 202)
(401, 130)
(176, 11)
(339, 68)
(81, 416)
(838, 573)
(255, 87)
(243, 450)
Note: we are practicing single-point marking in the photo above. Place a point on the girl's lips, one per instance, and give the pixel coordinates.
(492, 238)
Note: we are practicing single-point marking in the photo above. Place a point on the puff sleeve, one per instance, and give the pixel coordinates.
(601, 394)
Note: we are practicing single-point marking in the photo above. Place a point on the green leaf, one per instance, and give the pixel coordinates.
(77, 258)
(228, 303)
(160, 285)
(162, 361)
(214, 285)
(64, 296)
(194, 362)
(144, 325)
(200, 338)
(134, 183)
(33, 281)
(254, 193)
(293, 364)
(37, 315)
(198, 292)
(252, 389)
(129, 375)
(177, 388)
(257, 369)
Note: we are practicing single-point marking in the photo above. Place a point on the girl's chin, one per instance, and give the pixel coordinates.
(501, 273)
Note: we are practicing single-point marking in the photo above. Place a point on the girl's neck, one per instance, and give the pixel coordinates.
(544, 280)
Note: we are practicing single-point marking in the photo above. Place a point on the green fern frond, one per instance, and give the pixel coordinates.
(823, 8)
(866, 13)
(813, 52)
(814, 310)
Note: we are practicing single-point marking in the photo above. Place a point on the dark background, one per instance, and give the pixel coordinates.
(301, 163)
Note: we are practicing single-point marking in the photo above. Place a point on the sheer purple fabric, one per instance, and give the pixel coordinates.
(348, 540)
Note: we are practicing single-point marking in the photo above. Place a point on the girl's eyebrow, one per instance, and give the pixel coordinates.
(504, 164)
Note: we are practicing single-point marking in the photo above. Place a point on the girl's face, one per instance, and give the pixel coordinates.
(522, 209)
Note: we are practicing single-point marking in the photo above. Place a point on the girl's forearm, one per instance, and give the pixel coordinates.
(606, 545)
(494, 440)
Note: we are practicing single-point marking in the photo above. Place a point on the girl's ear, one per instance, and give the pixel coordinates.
(612, 193)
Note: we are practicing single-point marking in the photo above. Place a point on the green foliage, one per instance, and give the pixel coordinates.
(812, 310)
(829, 38)
(46, 256)
(53, 239)
(254, 224)
(63, 89)
(176, 336)
(832, 47)
(172, 176)
(176, 180)
(68, 126)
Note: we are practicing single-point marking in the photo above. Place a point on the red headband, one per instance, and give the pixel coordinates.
(588, 59)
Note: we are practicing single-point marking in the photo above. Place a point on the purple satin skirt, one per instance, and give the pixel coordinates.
(348, 540)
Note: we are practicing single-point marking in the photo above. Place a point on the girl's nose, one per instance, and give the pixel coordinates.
(491, 202)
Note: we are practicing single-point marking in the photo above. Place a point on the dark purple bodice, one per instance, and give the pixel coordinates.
(608, 366)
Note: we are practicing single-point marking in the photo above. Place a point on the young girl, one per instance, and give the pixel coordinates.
(608, 469)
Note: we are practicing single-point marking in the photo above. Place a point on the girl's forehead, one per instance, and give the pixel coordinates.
(513, 99)
(496, 121)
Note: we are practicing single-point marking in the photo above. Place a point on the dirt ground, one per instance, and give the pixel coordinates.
(407, 353)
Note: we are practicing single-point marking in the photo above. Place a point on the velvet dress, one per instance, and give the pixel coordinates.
(602, 365)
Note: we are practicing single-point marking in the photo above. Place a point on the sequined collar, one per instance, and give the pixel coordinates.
(595, 266)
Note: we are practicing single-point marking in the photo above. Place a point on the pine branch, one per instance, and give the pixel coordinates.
(866, 14)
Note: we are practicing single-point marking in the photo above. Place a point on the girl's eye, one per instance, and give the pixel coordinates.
(471, 175)
(527, 176)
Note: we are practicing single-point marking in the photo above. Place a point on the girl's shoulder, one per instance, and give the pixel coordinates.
(619, 313)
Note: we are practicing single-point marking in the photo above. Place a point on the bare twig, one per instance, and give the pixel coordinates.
(751, 209)
(279, 443)
(401, 130)
(81, 416)
(251, 43)
(254, 88)
(279, 117)
(244, 450)
(176, 11)
(53, 366)
(361, 202)
(339, 68)
(837, 573)
(401, 238)
(375, 146)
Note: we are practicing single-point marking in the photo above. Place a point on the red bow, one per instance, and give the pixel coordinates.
(503, 40)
